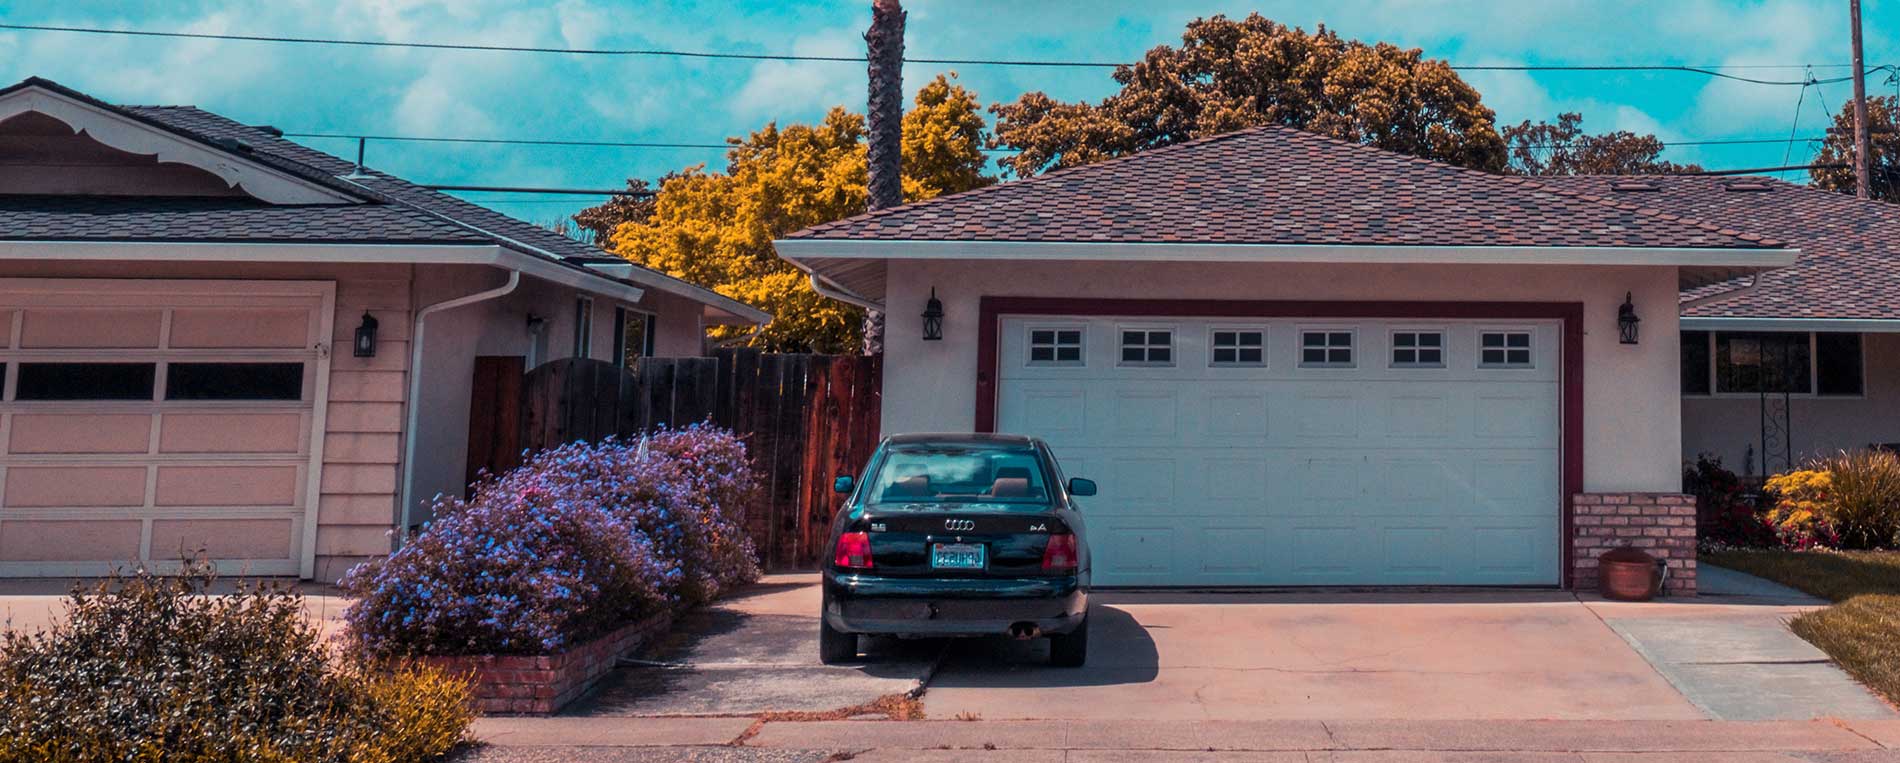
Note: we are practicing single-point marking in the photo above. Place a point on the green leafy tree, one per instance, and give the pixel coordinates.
(1543, 148)
(716, 229)
(1230, 74)
(1883, 142)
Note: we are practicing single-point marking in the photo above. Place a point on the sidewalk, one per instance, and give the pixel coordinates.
(744, 739)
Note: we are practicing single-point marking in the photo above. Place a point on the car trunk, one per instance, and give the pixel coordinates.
(1012, 541)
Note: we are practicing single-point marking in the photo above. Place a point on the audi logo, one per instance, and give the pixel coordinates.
(959, 524)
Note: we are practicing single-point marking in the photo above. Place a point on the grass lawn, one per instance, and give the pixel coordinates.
(1862, 630)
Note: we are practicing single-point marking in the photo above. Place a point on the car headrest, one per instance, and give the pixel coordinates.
(1012, 472)
(1010, 487)
(914, 486)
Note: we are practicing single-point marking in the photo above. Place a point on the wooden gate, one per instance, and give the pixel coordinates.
(804, 420)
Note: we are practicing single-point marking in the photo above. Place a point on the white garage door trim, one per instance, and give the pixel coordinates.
(161, 299)
(1005, 358)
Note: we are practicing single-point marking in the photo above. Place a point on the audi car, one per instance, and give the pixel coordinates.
(958, 535)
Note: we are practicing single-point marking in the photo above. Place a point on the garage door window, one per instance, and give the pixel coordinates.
(1418, 349)
(1326, 349)
(1147, 347)
(85, 381)
(1238, 347)
(234, 381)
(1504, 349)
(1055, 347)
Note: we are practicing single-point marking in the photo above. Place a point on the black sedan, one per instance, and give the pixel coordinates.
(958, 535)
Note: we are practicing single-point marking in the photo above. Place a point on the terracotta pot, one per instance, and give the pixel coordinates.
(1627, 574)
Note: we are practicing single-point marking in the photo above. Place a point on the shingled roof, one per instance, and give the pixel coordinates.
(1278, 185)
(1849, 265)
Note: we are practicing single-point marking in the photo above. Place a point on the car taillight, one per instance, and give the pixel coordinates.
(1059, 555)
(854, 551)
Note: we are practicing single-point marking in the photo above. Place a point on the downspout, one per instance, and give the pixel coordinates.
(414, 414)
(826, 288)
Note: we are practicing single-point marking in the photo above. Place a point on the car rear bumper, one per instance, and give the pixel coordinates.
(953, 607)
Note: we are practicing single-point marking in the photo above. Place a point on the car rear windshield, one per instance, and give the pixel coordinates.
(960, 475)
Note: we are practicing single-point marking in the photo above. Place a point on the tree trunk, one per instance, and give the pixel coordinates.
(884, 48)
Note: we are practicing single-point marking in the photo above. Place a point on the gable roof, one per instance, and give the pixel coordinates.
(1849, 266)
(384, 209)
(1280, 187)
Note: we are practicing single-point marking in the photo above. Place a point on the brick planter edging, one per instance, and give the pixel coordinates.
(542, 684)
(1661, 524)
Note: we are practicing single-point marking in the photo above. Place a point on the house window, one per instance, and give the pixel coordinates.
(1418, 349)
(583, 326)
(1504, 349)
(234, 381)
(1697, 371)
(85, 381)
(633, 336)
(1326, 349)
(1055, 347)
(1837, 364)
(1238, 347)
(1147, 347)
(1763, 362)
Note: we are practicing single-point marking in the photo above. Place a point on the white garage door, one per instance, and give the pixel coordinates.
(1293, 452)
(145, 420)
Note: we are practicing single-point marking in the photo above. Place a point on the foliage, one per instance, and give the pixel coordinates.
(579, 540)
(1863, 498)
(715, 229)
(1799, 512)
(1858, 631)
(1883, 143)
(1726, 512)
(1564, 149)
(149, 668)
(1230, 74)
(635, 207)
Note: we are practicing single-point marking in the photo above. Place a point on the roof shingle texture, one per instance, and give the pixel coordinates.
(108, 218)
(1849, 266)
(1278, 185)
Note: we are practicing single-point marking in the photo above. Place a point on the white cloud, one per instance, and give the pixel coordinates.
(776, 88)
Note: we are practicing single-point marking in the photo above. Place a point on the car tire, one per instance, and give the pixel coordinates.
(1070, 650)
(835, 646)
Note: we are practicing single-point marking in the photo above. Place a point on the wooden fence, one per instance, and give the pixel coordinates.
(804, 419)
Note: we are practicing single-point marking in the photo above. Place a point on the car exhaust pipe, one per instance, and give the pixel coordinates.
(1024, 631)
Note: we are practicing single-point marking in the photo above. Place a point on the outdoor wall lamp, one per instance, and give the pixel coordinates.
(933, 318)
(1626, 320)
(366, 338)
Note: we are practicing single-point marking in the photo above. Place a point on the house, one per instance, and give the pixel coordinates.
(220, 340)
(1803, 361)
(1291, 360)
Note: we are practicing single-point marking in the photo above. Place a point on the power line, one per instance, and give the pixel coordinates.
(1710, 70)
(523, 189)
(1761, 170)
(539, 141)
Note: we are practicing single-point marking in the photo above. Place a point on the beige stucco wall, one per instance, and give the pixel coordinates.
(454, 338)
(1728, 426)
(1632, 403)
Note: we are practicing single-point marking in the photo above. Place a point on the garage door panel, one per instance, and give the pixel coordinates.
(228, 485)
(206, 328)
(224, 538)
(51, 486)
(279, 433)
(42, 540)
(55, 328)
(80, 433)
(1282, 475)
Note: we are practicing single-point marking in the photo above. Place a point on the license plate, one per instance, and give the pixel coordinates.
(956, 556)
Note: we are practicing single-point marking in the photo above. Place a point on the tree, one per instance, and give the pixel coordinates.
(635, 207)
(1563, 148)
(715, 229)
(1883, 144)
(1232, 74)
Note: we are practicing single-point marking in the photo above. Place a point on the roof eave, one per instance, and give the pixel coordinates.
(1771, 323)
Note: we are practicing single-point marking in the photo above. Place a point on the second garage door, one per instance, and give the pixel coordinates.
(1291, 452)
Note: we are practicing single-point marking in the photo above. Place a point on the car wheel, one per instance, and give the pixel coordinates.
(835, 646)
(1070, 650)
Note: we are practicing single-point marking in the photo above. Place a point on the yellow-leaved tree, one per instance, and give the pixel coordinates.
(715, 229)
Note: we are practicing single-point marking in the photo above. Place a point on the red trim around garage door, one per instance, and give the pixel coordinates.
(992, 309)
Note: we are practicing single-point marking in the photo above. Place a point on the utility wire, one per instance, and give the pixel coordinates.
(1711, 70)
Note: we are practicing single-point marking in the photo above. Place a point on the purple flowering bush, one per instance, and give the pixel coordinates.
(579, 540)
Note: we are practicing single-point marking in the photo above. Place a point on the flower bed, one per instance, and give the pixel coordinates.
(562, 558)
(541, 685)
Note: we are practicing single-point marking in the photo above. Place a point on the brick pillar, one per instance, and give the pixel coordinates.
(1661, 524)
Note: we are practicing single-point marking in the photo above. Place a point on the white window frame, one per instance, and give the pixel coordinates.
(583, 326)
(1213, 347)
(1352, 347)
(648, 342)
(1443, 347)
(1814, 369)
(1081, 345)
(1530, 349)
(1147, 345)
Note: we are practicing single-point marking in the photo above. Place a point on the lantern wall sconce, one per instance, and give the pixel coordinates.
(365, 346)
(1626, 320)
(933, 317)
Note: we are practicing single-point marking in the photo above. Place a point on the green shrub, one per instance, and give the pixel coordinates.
(147, 668)
(1863, 497)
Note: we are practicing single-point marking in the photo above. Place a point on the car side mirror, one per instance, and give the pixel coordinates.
(842, 484)
(1081, 487)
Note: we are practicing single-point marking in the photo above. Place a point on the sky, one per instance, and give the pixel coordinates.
(436, 93)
